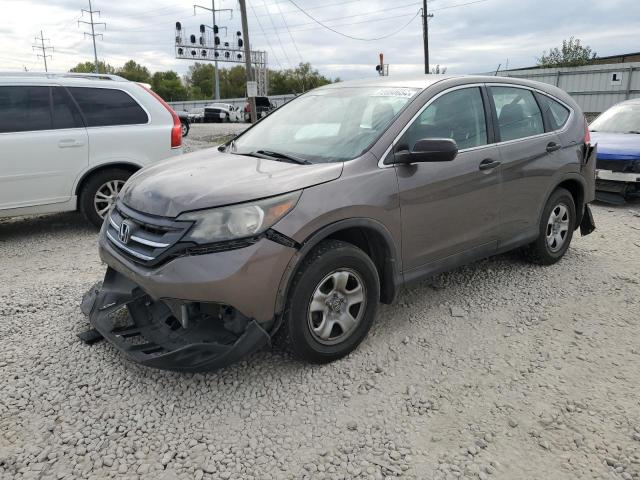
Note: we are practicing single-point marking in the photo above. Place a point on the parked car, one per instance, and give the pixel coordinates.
(48, 122)
(263, 108)
(185, 121)
(221, 112)
(297, 228)
(196, 115)
(617, 133)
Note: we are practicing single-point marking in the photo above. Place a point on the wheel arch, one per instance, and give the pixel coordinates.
(576, 186)
(132, 167)
(367, 234)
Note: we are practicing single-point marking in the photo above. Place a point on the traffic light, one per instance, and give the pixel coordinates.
(178, 26)
(192, 38)
(217, 40)
(240, 43)
(215, 29)
(202, 27)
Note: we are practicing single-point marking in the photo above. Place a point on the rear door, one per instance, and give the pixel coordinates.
(530, 156)
(43, 143)
(450, 208)
(120, 129)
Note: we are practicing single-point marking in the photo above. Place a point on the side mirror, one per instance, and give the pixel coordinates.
(428, 150)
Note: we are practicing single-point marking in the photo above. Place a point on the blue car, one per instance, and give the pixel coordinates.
(617, 133)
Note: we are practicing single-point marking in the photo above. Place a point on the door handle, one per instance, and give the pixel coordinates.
(488, 164)
(70, 143)
(553, 147)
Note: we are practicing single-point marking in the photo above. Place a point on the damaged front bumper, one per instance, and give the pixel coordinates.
(169, 334)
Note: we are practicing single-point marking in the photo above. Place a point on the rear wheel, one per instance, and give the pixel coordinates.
(556, 229)
(185, 129)
(332, 303)
(99, 193)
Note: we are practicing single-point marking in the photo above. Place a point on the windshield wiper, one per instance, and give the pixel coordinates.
(634, 131)
(270, 155)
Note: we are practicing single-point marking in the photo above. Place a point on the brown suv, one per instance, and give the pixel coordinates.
(297, 228)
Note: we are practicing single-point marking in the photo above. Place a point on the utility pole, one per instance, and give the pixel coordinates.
(93, 33)
(247, 57)
(425, 34)
(41, 47)
(216, 79)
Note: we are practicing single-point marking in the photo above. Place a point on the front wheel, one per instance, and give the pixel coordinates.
(185, 129)
(99, 193)
(331, 304)
(556, 229)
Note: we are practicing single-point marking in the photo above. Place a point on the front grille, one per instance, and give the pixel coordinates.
(149, 240)
(624, 166)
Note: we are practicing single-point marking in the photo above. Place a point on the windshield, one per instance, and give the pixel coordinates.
(618, 119)
(327, 125)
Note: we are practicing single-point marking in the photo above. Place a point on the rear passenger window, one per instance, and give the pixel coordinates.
(65, 113)
(518, 113)
(24, 109)
(557, 113)
(103, 107)
(458, 115)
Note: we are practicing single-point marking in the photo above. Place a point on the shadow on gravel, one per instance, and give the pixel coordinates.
(15, 228)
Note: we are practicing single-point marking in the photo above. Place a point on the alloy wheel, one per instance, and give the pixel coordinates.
(336, 307)
(106, 196)
(557, 227)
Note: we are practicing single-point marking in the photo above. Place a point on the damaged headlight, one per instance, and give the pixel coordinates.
(238, 221)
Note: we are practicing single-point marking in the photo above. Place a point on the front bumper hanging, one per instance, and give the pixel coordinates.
(151, 332)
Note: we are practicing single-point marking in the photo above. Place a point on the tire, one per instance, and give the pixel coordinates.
(185, 128)
(226, 118)
(302, 331)
(551, 246)
(99, 182)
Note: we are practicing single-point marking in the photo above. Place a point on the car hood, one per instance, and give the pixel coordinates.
(210, 178)
(617, 146)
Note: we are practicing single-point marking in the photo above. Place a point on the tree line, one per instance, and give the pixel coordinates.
(197, 84)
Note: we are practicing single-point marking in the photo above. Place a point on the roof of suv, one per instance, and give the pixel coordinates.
(60, 78)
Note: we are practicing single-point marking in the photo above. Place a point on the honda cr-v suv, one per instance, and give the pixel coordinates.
(70, 141)
(297, 228)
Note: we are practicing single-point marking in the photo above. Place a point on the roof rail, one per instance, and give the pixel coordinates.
(88, 76)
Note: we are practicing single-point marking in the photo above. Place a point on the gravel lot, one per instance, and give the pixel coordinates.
(497, 370)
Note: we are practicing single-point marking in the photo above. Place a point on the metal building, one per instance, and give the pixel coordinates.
(594, 87)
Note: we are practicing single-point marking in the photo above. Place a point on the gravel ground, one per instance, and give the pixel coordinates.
(497, 370)
(203, 135)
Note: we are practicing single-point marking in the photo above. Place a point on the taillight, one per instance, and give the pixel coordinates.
(587, 134)
(176, 130)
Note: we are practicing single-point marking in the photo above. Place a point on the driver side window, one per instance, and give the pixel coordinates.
(458, 115)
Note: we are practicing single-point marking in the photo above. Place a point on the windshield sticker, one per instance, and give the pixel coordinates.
(395, 92)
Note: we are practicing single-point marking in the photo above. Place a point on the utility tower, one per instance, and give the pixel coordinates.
(40, 46)
(214, 28)
(425, 34)
(93, 33)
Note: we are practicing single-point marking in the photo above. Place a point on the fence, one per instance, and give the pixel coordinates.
(594, 87)
(277, 100)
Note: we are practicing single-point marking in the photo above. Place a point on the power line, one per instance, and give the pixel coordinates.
(93, 33)
(266, 37)
(277, 34)
(350, 36)
(290, 36)
(40, 46)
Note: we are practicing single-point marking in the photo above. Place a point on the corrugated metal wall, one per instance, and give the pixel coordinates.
(594, 87)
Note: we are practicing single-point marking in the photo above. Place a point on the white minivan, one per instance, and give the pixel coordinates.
(71, 141)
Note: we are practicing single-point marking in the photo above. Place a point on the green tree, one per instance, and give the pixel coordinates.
(135, 72)
(571, 54)
(90, 67)
(201, 76)
(437, 70)
(304, 77)
(169, 86)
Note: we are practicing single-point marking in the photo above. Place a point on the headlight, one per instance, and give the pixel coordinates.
(238, 221)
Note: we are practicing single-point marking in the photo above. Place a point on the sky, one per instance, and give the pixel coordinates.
(466, 36)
